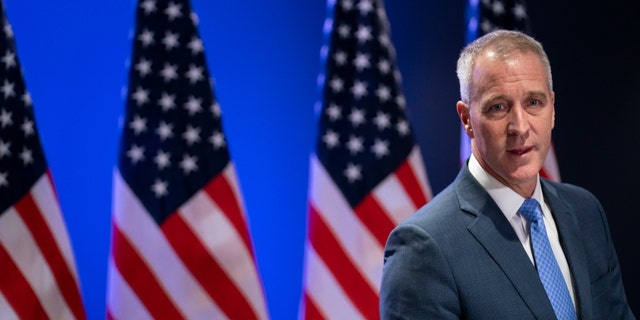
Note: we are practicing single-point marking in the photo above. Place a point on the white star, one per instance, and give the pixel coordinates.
(3, 179)
(363, 34)
(380, 148)
(402, 103)
(195, 45)
(355, 144)
(26, 98)
(519, 12)
(136, 153)
(383, 93)
(7, 30)
(5, 118)
(365, 6)
(361, 61)
(215, 109)
(192, 135)
(194, 105)
(188, 164)
(340, 58)
(27, 127)
(384, 40)
(170, 40)
(162, 159)
(194, 18)
(497, 8)
(146, 37)
(331, 139)
(138, 125)
(4, 149)
(486, 26)
(169, 72)
(344, 31)
(141, 96)
(159, 188)
(217, 139)
(7, 89)
(143, 67)
(195, 74)
(9, 59)
(359, 89)
(384, 66)
(167, 101)
(352, 172)
(148, 6)
(382, 120)
(173, 11)
(347, 5)
(165, 131)
(334, 112)
(357, 117)
(336, 85)
(26, 156)
(402, 127)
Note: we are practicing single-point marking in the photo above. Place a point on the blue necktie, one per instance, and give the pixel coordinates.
(548, 269)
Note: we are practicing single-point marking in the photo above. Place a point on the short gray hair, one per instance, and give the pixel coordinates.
(504, 43)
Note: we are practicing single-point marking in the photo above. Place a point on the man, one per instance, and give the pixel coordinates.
(484, 248)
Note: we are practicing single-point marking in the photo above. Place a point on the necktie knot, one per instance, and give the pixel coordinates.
(531, 210)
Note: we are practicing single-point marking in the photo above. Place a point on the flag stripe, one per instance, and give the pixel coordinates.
(223, 194)
(206, 270)
(410, 184)
(141, 279)
(375, 218)
(65, 281)
(6, 310)
(19, 293)
(310, 309)
(129, 306)
(323, 241)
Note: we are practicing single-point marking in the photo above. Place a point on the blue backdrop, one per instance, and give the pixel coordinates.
(264, 58)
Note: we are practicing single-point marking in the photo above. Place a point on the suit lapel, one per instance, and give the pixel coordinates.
(574, 251)
(495, 234)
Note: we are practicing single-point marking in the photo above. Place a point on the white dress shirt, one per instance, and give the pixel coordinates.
(509, 202)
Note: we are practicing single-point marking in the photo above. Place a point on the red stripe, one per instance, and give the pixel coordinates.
(544, 174)
(409, 181)
(109, 315)
(17, 291)
(363, 297)
(141, 279)
(205, 269)
(311, 311)
(34, 220)
(220, 191)
(375, 218)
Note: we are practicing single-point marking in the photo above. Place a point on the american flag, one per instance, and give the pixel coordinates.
(367, 173)
(181, 247)
(38, 277)
(484, 16)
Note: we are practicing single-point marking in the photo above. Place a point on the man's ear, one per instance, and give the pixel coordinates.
(465, 119)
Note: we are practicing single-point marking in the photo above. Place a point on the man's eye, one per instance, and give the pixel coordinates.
(534, 102)
(497, 107)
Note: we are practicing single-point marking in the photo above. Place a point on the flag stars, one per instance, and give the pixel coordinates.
(8, 31)
(195, 74)
(160, 188)
(382, 121)
(7, 89)
(347, 5)
(167, 102)
(5, 118)
(9, 59)
(138, 125)
(217, 139)
(162, 159)
(193, 105)
(353, 172)
(356, 117)
(148, 6)
(363, 34)
(383, 93)
(380, 148)
(215, 109)
(135, 153)
(384, 66)
(165, 131)
(146, 37)
(173, 11)
(403, 127)
(26, 98)
(355, 144)
(169, 72)
(333, 112)
(5, 149)
(195, 45)
(27, 127)
(361, 61)
(359, 89)
(340, 57)
(143, 67)
(170, 40)
(336, 85)
(188, 164)
(519, 11)
(141, 96)
(331, 139)
(497, 8)
(365, 6)
(3, 179)
(26, 156)
(344, 31)
(191, 135)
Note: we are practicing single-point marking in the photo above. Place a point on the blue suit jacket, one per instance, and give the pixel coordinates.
(459, 258)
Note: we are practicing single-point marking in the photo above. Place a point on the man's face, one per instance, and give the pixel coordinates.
(510, 118)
